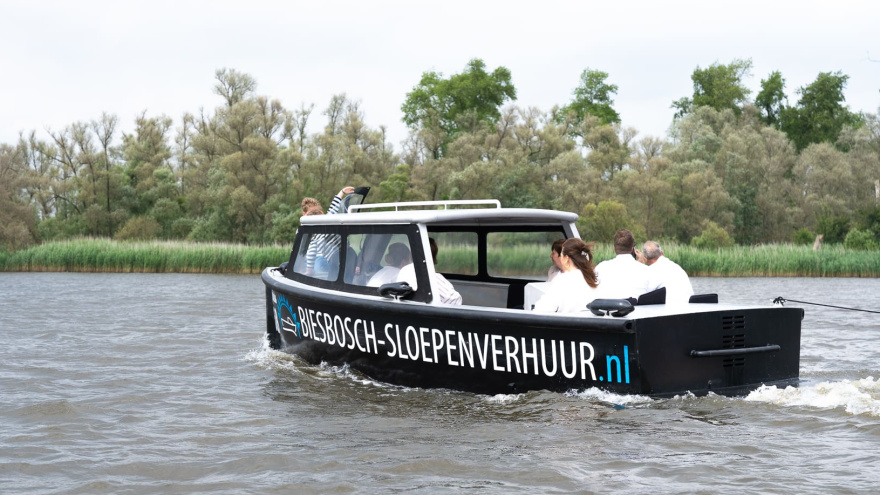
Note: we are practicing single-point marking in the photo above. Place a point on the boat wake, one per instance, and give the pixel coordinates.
(856, 397)
(269, 358)
(617, 401)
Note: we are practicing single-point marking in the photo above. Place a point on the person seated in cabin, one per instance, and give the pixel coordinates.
(398, 256)
(623, 276)
(555, 251)
(576, 285)
(663, 272)
(323, 254)
(445, 290)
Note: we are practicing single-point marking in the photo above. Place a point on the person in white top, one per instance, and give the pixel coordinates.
(444, 289)
(397, 257)
(555, 251)
(663, 272)
(576, 285)
(623, 276)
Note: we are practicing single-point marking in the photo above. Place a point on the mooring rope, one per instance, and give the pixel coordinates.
(781, 301)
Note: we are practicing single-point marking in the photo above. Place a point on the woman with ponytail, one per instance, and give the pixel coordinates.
(576, 285)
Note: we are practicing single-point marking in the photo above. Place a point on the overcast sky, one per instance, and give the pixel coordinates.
(68, 61)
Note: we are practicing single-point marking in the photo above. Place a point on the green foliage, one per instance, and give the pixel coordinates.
(771, 99)
(139, 228)
(718, 86)
(820, 114)
(599, 222)
(237, 173)
(17, 217)
(459, 102)
(593, 96)
(833, 227)
(860, 240)
(712, 237)
(803, 237)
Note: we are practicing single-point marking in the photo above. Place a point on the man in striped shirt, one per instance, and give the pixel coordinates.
(323, 253)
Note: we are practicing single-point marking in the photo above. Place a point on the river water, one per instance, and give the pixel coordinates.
(142, 383)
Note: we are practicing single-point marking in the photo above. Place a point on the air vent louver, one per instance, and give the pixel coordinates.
(736, 324)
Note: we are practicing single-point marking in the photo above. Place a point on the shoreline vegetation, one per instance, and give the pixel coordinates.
(109, 256)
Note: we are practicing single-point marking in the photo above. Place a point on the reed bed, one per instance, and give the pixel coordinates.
(776, 260)
(104, 255)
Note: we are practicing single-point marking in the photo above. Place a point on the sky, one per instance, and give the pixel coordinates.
(67, 61)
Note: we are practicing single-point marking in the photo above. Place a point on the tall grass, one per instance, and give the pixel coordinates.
(778, 260)
(104, 255)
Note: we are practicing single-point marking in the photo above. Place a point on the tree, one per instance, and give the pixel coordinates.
(233, 86)
(599, 222)
(593, 96)
(718, 86)
(146, 151)
(457, 103)
(771, 99)
(17, 218)
(820, 114)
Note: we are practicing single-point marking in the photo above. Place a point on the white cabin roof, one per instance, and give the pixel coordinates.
(461, 216)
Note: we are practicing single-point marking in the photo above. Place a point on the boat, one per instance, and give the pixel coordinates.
(328, 311)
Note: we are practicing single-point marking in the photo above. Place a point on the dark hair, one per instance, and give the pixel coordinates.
(434, 248)
(581, 254)
(557, 245)
(624, 242)
(398, 252)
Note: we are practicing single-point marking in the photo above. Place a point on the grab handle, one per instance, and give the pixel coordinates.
(734, 352)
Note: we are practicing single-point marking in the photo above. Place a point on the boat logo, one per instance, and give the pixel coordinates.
(287, 317)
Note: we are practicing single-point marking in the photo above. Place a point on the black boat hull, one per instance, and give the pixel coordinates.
(728, 351)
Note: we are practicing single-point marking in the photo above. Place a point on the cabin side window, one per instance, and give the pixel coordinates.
(457, 252)
(318, 256)
(519, 254)
(375, 259)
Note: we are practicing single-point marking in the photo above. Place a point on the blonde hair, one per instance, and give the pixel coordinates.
(309, 203)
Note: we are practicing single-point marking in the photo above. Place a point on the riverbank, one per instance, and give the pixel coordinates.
(104, 255)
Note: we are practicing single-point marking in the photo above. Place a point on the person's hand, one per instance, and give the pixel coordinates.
(347, 190)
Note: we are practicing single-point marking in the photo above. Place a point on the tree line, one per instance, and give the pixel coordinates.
(731, 170)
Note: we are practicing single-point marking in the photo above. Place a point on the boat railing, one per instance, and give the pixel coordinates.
(428, 205)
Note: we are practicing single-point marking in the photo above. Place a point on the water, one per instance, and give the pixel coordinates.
(131, 384)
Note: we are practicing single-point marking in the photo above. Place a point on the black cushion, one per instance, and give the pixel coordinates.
(657, 296)
(704, 298)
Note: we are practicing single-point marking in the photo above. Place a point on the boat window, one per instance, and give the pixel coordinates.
(318, 256)
(374, 259)
(519, 254)
(457, 252)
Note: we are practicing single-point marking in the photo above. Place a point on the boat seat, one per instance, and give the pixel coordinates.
(704, 298)
(485, 294)
(657, 296)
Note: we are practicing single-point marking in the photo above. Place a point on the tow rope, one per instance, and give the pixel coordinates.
(781, 301)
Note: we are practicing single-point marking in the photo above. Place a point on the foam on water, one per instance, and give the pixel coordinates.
(269, 358)
(856, 397)
(599, 395)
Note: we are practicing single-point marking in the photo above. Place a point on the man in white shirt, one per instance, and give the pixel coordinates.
(663, 272)
(398, 256)
(622, 276)
(445, 290)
